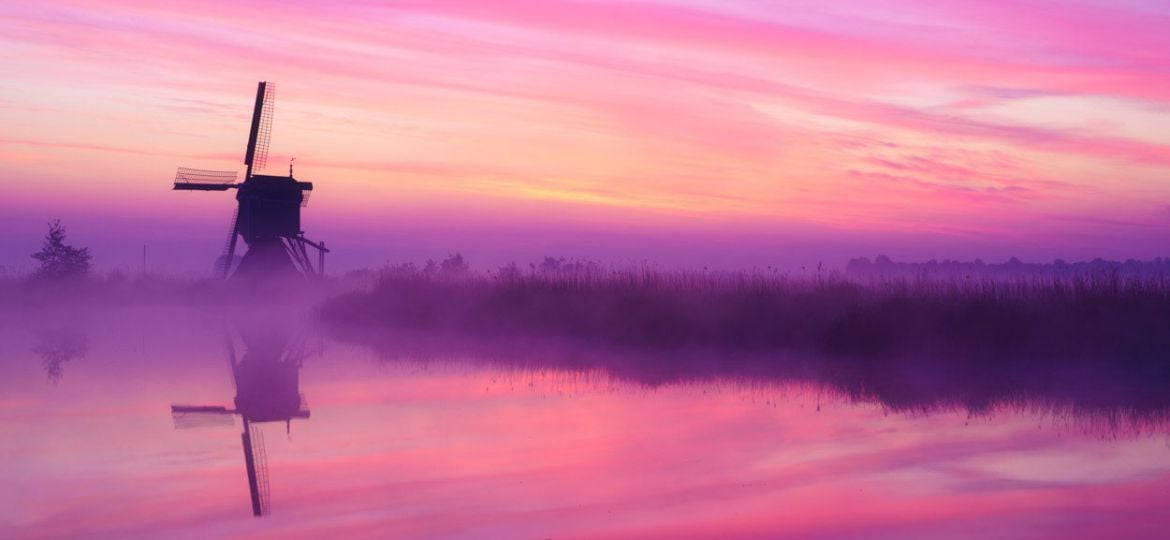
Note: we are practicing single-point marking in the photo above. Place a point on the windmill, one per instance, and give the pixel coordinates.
(268, 216)
(267, 390)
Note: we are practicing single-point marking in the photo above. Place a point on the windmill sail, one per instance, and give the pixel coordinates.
(256, 156)
(262, 495)
(224, 264)
(256, 464)
(195, 416)
(204, 180)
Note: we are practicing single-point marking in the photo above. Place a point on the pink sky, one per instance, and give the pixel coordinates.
(684, 132)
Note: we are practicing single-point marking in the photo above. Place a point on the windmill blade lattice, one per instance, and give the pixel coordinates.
(187, 417)
(260, 458)
(199, 176)
(264, 133)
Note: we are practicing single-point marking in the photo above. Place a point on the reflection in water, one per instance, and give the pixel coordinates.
(58, 346)
(267, 381)
(423, 436)
(1108, 396)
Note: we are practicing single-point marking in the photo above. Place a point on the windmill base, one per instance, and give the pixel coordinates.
(266, 260)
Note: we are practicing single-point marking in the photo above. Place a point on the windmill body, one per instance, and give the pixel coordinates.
(268, 214)
(269, 221)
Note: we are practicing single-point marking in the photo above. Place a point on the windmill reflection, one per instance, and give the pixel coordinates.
(267, 381)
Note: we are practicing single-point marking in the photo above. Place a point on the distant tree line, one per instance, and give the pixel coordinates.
(883, 266)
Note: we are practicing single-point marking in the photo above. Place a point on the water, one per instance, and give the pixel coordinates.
(460, 442)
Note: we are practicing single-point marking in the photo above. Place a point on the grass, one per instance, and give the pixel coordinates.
(1100, 317)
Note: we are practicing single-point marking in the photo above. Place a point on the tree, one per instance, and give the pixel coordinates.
(59, 260)
(454, 265)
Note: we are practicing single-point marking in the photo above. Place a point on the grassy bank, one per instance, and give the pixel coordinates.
(1102, 317)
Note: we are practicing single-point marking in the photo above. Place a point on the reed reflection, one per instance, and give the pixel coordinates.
(1109, 396)
(267, 383)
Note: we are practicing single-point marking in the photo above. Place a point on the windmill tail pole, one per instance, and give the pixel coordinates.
(321, 251)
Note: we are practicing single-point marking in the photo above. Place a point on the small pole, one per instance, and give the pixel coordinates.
(144, 259)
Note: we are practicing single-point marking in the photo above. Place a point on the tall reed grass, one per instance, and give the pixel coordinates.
(1123, 318)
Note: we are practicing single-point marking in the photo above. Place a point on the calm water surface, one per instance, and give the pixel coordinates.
(460, 446)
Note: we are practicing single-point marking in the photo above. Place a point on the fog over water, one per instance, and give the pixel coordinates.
(421, 435)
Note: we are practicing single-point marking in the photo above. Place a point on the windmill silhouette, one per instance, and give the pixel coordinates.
(267, 390)
(268, 216)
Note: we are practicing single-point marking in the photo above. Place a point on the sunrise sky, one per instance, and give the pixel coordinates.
(680, 132)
